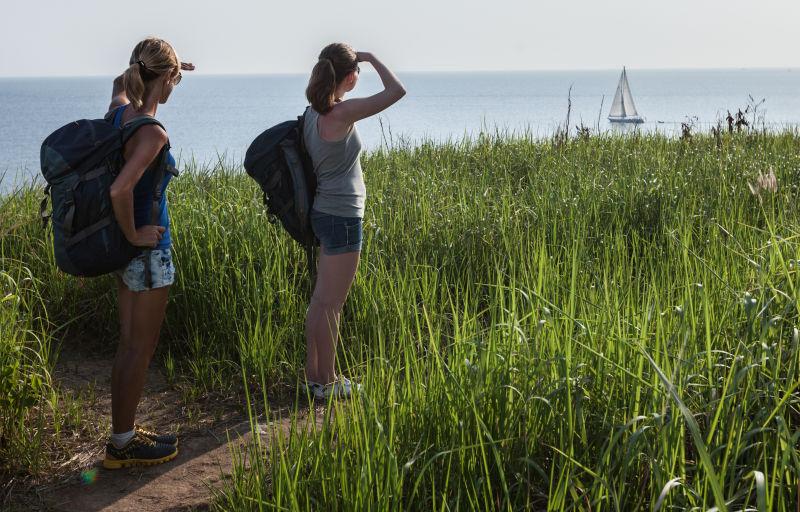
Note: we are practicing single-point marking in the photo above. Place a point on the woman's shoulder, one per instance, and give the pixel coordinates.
(150, 137)
(339, 111)
(338, 122)
(153, 132)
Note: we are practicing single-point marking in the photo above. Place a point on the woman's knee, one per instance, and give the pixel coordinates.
(326, 304)
(135, 351)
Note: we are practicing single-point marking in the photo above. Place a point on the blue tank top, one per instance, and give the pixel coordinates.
(143, 195)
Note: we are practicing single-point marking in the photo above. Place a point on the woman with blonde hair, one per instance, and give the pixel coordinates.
(334, 145)
(143, 285)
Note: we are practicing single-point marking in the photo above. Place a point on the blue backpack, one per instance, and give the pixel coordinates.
(80, 161)
(278, 161)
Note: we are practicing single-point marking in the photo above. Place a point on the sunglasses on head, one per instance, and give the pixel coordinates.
(177, 79)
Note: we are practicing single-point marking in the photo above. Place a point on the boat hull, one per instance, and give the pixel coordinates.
(627, 120)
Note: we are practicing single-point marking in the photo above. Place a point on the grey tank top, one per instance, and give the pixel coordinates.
(340, 183)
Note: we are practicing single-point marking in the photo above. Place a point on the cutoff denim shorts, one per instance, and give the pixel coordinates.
(162, 271)
(337, 235)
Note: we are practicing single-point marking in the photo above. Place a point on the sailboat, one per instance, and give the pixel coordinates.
(622, 109)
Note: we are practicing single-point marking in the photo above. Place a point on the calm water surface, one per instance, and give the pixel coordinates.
(212, 116)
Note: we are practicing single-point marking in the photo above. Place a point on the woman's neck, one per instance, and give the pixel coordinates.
(148, 108)
(339, 93)
(149, 104)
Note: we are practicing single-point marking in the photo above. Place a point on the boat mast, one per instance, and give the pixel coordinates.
(623, 81)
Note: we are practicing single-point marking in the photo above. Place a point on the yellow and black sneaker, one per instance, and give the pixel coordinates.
(158, 438)
(140, 451)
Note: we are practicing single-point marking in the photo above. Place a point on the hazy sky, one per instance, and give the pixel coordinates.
(95, 37)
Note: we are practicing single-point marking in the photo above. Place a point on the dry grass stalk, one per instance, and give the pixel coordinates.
(765, 182)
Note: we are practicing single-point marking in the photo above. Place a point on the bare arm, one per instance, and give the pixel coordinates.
(118, 96)
(350, 111)
(145, 144)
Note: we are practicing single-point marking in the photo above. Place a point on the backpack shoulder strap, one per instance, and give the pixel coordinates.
(130, 128)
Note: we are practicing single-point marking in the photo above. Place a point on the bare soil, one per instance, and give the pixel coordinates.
(210, 429)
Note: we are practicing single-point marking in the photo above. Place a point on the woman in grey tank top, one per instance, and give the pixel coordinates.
(332, 140)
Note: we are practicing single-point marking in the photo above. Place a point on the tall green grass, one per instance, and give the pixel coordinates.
(25, 355)
(606, 323)
(24, 376)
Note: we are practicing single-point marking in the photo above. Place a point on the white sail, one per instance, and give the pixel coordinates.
(627, 98)
(618, 106)
(622, 108)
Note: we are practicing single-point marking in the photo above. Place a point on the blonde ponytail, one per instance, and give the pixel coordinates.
(134, 85)
(151, 58)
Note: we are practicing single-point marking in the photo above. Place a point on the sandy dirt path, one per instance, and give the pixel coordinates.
(208, 431)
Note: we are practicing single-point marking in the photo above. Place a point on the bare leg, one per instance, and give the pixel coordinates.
(125, 299)
(141, 315)
(334, 277)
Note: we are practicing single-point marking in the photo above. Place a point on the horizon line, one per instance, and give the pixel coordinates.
(447, 72)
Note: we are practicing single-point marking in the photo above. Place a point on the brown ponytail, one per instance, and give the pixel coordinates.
(151, 58)
(335, 62)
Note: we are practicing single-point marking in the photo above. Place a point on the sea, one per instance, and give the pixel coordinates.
(211, 118)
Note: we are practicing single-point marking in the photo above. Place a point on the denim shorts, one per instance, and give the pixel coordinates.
(162, 271)
(337, 235)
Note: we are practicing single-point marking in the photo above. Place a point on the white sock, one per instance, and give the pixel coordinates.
(120, 440)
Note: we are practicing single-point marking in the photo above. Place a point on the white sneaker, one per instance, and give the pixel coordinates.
(315, 389)
(341, 389)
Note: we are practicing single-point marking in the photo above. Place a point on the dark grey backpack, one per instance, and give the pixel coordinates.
(279, 162)
(80, 162)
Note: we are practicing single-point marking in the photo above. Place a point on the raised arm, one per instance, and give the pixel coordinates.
(118, 96)
(352, 110)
